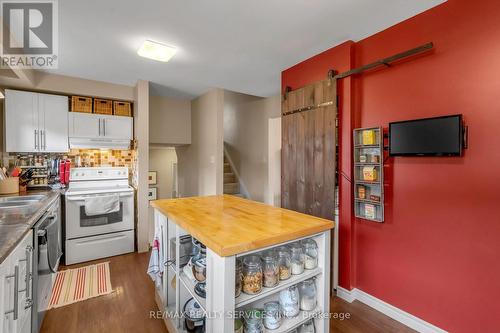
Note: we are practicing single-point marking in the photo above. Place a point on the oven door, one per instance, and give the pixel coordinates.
(79, 224)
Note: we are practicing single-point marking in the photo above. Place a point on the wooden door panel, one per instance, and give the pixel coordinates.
(308, 150)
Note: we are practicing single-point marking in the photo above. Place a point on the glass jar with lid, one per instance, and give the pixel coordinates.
(289, 301)
(310, 253)
(272, 315)
(253, 321)
(308, 297)
(307, 327)
(284, 262)
(237, 278)
(270, 269)
(252, 275)
(297, 258)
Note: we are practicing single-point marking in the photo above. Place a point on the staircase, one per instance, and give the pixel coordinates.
(231, 183)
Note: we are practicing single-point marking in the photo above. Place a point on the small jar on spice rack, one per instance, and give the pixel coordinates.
(284, 262)
(252, 275)
(270, 269)
(297, 258)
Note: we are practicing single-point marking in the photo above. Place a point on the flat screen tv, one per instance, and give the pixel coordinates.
(440, 136)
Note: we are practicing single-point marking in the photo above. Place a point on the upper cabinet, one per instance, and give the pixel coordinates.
(99, 131)
(35, 122)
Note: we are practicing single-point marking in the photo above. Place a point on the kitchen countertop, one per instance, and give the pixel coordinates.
(229, 225)
(16, 222)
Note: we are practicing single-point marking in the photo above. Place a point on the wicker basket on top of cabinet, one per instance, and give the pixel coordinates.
(103, 106)
(122, 109)
(81, 104)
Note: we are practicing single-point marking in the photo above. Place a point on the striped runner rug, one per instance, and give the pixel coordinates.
(79, 284)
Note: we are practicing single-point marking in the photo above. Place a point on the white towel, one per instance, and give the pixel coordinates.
(103, 204)
(155, 267)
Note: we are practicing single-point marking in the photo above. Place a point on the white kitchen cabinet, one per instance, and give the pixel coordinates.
(117, 127)
(99, 131)
(17, 288)
(84, 125)
(53, 122)
(35, 122)
(21, 121)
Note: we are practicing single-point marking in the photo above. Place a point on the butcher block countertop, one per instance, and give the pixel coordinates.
(229, 225)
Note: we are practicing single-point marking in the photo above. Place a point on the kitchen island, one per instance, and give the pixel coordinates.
(233, 228)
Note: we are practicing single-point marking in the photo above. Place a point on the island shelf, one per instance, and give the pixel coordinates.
(231, 227)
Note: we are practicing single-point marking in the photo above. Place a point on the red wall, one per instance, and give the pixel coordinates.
(436, 254)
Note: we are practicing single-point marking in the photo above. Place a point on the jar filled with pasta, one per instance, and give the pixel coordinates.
(252, 275)
(284, 262)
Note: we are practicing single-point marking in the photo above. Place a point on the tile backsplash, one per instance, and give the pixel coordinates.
(78, 158)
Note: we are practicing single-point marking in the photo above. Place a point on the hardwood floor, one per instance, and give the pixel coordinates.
(127, 309)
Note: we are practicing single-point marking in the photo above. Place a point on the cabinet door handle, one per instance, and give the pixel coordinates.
(16, 292)
(29, 270)
(104, 126)
(36, 137)
(99, 126)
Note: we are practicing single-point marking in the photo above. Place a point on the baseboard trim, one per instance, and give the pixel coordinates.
(389, 310)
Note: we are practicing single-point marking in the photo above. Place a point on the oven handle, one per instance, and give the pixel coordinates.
(80, 198)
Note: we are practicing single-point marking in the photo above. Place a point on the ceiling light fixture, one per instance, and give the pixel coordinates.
(156, 51)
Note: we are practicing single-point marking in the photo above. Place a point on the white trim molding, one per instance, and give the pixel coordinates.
(389, 310)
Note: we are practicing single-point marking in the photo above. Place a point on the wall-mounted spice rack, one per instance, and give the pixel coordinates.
(369, 173)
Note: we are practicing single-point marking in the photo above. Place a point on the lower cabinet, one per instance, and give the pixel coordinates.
(16, 288)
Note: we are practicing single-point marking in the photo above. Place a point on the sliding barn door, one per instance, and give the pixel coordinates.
(309, 149)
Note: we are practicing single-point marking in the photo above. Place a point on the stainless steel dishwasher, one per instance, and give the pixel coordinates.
(46, 255)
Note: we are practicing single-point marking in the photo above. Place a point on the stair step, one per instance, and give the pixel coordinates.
(229, 177)
(227, 168)
(231, 188)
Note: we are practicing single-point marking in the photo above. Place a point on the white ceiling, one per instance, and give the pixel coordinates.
(233, 44)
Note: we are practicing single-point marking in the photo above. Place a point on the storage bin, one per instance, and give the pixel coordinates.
(103, 106)
(81, 104)
(122, 109)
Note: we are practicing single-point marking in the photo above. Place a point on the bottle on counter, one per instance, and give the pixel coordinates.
(270, 269)
(310, 253)
(284, 262)
(252, 275)
(297, 258)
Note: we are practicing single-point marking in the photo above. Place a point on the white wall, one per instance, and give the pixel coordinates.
(246, 138)
(161, 160)
(169, 121)
(141, 136)
(200, 164)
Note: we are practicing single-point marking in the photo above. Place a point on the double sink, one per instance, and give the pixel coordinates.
(21, 201)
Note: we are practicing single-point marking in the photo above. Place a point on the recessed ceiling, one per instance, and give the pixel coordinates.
(237, 45)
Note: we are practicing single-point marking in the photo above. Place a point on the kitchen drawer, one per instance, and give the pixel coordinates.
(101, 246)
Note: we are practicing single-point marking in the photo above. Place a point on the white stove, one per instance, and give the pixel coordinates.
(98, 232)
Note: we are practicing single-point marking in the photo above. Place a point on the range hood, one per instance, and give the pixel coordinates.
(98, 143)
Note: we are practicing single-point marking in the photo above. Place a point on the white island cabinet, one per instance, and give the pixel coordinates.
(232, 228)
(16, 288)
